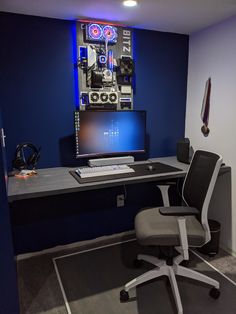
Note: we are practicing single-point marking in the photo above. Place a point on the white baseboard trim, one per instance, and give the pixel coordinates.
(109, 239)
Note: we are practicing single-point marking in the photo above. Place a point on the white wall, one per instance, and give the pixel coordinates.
(212, 53)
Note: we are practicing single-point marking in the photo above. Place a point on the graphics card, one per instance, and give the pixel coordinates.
(103, 97)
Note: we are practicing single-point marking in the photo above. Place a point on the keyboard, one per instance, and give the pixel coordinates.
(88, 172)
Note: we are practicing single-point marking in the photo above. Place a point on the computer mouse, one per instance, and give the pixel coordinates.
(150, 167)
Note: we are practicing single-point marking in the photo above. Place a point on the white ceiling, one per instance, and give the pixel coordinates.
(178, 16)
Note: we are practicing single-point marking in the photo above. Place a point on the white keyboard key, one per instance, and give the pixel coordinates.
(88, 172)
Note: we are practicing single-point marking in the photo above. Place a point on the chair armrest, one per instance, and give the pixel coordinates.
(178, 211)
(164, 189)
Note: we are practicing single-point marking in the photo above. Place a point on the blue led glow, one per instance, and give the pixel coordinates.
(95, 31)
(102, 59)
(110, 33)
(75, 59)
(110, 60)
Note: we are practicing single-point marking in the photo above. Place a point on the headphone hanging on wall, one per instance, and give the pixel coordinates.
(20, 162)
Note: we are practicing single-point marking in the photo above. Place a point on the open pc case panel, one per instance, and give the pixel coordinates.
(105, 66)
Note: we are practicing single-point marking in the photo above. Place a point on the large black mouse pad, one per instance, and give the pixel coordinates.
(140, 170)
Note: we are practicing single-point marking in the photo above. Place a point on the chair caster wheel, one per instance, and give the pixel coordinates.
(124, 296)
(214, 293)
(185, 263)
(137, 263)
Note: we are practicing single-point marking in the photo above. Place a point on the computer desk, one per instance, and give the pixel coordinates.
(54, 181)
(58, 181)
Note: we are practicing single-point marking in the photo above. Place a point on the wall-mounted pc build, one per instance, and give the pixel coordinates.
(109, 133)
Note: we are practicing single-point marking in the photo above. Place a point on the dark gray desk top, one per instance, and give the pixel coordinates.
(54, 181)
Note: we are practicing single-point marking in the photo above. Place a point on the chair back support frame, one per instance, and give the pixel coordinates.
(216, 161)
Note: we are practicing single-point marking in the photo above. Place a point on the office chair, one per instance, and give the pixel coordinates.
(176, 228)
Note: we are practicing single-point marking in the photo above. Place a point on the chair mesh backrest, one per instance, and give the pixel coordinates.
(198, 178)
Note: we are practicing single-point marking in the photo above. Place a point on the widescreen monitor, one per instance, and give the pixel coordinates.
(109, 133)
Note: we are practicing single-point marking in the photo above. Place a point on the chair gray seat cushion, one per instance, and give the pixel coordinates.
(152, 228)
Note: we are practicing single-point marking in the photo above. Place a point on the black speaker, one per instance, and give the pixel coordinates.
(183, 150)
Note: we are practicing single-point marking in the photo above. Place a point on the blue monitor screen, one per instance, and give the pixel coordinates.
(100, 133)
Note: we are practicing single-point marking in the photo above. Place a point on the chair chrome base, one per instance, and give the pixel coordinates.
(162, 269)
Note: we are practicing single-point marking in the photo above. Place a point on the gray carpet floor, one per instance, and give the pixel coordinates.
(40, 291)
(92, 281)
(224, 262)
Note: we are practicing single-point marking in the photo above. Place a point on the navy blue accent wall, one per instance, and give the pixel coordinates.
(37, 83)
(8, 283)
(38, 86)
(161, 63)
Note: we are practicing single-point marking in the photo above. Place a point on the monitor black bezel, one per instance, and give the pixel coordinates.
(103, 155)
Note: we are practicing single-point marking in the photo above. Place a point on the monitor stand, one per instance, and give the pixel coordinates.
(111, 161)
